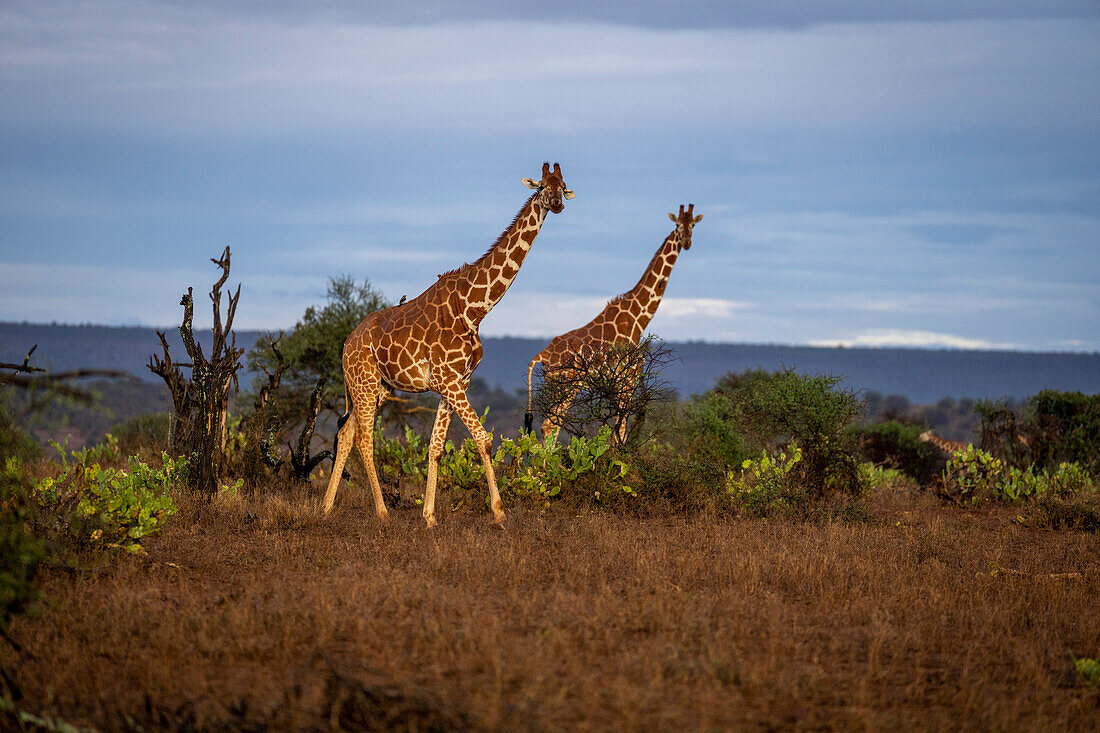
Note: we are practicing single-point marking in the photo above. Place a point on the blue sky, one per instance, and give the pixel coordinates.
(916, 174)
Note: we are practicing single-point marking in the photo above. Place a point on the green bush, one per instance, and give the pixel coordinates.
(1052, 427)
(1089, 670)
(527, 467)
(974, 475)
(14, 440)
(897, 445)
(708, 427)
(767, 484)
(143, 434)
(775, 409)
(95, 507)
(544, 470)
(879, 478)
(20, 551)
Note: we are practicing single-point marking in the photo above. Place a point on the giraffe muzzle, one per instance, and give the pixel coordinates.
(556, 205)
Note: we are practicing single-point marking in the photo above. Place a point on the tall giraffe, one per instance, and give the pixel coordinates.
(947, 446)
(431, 343)
(623, 319)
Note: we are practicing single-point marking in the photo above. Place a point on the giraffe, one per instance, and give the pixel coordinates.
(431, 343)
(947, 446)
(623, 319)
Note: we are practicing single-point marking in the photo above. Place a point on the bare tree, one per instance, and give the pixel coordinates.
(36, 380)
(201, 402)
(614, 386)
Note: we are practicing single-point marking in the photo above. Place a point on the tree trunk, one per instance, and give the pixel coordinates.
(201, 402)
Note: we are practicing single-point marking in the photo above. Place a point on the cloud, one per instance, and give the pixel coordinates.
(683, 308)
(899, 338)
(163, 70)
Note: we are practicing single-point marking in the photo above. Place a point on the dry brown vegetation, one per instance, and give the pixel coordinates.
(264, 617)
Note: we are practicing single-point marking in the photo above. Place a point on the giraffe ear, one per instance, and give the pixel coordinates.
(697, 219)
(530, 183)
(672, 216)
(568, 193)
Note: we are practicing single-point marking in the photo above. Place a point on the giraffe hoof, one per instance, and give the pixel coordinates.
(430, 521)
(498, 521)
(384, 517)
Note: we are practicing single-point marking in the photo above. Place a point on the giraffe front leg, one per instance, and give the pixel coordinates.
(484, 442)
(435, 450)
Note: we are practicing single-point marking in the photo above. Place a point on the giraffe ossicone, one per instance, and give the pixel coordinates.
(623, 320)
(431, 343)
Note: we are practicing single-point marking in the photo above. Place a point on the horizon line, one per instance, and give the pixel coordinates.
(767, 344)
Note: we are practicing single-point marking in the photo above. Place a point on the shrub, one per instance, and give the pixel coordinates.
(897, 445)
(14, 440)
(767, 484)
(1073, 512)
(974, 475)
(877, 477)
(614, 386)
(709, 429)
(544, 470)
(20, 551)
(775, 409)
(535, 469)
(1052, 427)
(1089, 670)
(144, 434)
(93, 507)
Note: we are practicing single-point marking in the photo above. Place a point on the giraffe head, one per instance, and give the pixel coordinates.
(551, 189)
(685, 222)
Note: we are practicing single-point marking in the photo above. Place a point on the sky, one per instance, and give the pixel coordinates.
(871, 174)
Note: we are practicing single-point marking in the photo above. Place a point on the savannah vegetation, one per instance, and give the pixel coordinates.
(773, 553)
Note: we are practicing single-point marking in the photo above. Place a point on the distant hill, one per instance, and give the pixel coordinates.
(923, 375)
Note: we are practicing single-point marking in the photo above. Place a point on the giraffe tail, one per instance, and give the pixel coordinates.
(339, 424)
(529, 417)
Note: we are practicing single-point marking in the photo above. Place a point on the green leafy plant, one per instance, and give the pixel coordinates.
(974, 475)
(878, 477)
(1089, 670)
(768, 483)
(546, 469)
(109, 507)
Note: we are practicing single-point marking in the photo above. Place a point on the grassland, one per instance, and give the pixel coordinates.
(262, 616)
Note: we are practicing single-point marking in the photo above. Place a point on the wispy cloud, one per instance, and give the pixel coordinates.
(159, 68)
(921, 339)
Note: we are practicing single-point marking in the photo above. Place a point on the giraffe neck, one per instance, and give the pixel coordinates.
(642, 300)
(485, 281)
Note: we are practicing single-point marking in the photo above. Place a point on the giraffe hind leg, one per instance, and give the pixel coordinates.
(364, 441)
(345, 438)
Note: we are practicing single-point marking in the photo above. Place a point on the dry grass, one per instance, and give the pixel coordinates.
(263, 616)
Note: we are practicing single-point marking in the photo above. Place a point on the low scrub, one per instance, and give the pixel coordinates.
(973, 476)
(897, 445)
(89, 506)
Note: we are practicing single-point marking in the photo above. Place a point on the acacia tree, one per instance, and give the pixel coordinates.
(303, 379)
(201, 402)
(314, 348)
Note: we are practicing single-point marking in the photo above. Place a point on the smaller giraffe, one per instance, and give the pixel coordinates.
(947, 446)
(623, 319)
